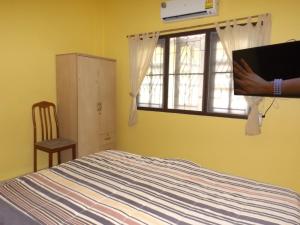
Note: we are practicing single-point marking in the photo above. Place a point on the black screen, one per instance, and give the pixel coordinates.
(279, 61)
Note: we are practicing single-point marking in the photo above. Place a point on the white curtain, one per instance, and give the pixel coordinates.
(234, 37)
(141, 48)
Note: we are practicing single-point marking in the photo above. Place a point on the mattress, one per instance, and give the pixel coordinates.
(114, 187)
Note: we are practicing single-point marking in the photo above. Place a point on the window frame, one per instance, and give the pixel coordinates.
(165, 91)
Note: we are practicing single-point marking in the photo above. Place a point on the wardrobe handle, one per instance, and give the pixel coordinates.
(107, 138)
(99, 107)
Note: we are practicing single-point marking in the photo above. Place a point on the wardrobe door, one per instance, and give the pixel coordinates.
(107, 100)
(88, 105)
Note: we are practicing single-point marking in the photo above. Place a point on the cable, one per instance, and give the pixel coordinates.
(264, 115)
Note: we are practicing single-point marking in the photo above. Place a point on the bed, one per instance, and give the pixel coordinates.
(114, 187)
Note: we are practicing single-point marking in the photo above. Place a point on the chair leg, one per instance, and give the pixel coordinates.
(58, 158)
(74, 152)
(50, 160)
(34, 159)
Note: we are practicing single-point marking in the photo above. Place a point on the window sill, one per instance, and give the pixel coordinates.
(200, 113)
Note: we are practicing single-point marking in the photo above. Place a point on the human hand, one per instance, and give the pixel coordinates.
(249, 82)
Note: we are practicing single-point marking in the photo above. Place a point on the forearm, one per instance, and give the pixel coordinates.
(291, 86)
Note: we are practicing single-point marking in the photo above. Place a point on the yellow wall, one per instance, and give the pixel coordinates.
(216, 143)
(32, 32)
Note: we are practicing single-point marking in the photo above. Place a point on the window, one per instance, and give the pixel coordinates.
(190, 73)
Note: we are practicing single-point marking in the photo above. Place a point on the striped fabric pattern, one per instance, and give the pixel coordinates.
(114, 187)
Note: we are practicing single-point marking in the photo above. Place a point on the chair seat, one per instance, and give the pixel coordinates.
(55, 144)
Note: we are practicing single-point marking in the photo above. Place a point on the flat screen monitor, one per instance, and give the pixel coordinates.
(278, 61)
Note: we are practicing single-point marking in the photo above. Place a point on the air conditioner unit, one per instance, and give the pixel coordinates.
(173, 10)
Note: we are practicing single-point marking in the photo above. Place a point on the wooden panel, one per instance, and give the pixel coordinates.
(107, 140)
(66, 84)
(90, 56)
(107, 96)
(88, 103)
(107, 146)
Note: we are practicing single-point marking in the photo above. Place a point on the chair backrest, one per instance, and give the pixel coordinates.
(45, 123)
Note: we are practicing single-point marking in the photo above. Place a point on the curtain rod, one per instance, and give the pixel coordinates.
(200, 25)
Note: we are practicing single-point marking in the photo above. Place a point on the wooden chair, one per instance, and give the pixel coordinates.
(45, 129)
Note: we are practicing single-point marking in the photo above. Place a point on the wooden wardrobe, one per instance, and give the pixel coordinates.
(86, 102)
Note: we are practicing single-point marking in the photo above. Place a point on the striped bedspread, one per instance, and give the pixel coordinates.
(114, 187)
